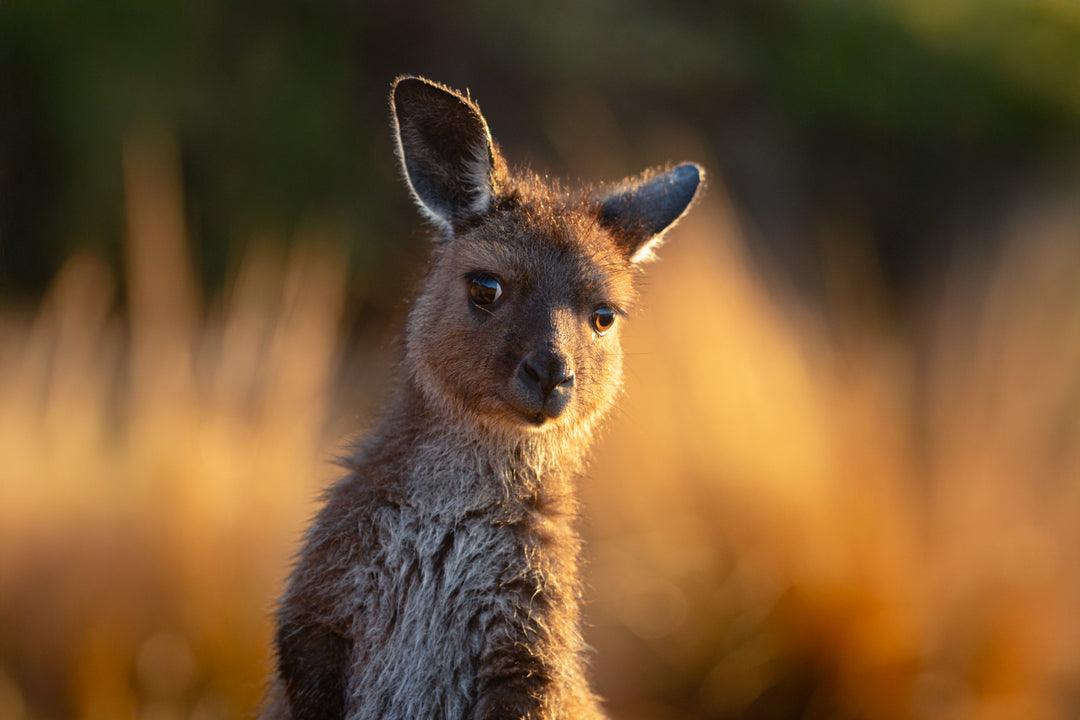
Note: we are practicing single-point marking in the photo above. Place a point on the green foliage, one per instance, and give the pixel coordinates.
(278, 109)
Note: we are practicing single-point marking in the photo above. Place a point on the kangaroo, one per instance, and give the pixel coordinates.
(440, 579)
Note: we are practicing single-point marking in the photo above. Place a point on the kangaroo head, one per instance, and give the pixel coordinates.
(516, 325)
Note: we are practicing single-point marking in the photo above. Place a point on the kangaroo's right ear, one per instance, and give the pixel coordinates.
(445, 149)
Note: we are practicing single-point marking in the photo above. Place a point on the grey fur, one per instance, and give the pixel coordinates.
(440, 579)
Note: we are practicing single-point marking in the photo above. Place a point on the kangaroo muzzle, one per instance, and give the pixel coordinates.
(542, 385)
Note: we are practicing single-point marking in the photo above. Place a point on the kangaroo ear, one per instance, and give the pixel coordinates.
(445, 149)
(641, 210)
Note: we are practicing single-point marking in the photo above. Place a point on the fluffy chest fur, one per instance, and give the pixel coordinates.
(432, 593)
(455, 571)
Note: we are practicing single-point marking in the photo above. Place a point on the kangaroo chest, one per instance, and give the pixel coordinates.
(437, 595)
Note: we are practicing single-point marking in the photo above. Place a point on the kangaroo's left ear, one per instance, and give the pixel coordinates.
(641, 210)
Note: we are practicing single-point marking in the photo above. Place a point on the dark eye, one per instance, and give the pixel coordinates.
(603, 318)
(484, 290)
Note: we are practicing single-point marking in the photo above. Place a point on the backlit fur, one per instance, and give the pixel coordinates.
(440, 579)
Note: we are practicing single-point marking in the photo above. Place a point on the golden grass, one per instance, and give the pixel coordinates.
(783, 521)
(847, 525)
(157, 467)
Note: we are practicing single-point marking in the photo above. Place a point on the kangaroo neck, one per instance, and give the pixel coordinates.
(453, 468)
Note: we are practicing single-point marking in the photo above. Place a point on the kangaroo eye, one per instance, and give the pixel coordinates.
(603, 318)
(484, 290)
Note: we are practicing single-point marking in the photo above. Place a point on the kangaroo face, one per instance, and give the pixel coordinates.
(517, 321)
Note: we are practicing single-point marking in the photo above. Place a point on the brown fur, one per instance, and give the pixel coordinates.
(440, 579)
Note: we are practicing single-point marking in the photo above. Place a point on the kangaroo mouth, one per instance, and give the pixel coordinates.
(537, 412)
(531, 418)
(536, 418)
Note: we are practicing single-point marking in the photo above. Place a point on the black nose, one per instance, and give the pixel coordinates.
(543, 385)
(546, 371)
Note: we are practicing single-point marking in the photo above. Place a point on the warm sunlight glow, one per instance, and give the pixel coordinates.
(886, 527)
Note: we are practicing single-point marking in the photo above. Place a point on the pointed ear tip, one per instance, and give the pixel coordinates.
(407, 79)
(691, 171)
(405, 86)
(692, 177)
(414, 91)
(399, 82)
(406, 83)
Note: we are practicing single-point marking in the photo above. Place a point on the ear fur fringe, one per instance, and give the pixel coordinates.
(476, 177)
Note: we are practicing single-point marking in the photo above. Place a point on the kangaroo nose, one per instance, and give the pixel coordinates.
(545, 370)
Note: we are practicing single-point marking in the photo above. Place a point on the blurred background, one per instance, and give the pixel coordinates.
(844, 482)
